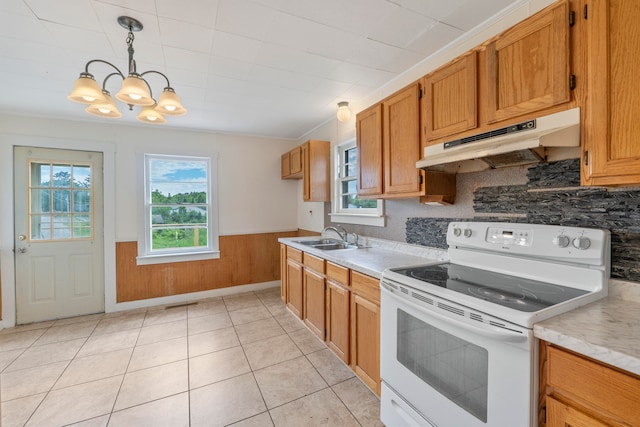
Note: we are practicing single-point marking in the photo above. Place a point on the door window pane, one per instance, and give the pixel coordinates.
(60, 202)
(454, 367)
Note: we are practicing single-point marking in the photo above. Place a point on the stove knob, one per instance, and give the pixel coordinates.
(467, 232)
(581, 243)
(456, 231)
(562, 241)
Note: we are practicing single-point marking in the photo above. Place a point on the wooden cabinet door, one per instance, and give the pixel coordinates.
(285, 166)
(611, 152)
(369, 143)
(295, 161)
(561, 415)
(527, 67)
(338, 321)
(450, 99)
(365, 341)
(283, 273)
(294, 287)
(316, 171)
(401, 142)
(314, 308)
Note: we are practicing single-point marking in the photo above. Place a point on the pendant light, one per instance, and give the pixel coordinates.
(134, 91)
(344, 113)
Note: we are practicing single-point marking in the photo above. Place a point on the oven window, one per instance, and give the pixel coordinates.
(454, 367)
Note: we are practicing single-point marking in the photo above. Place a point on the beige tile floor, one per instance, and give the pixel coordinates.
(240, 360)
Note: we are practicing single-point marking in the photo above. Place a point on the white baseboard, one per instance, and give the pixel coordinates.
(174, 299)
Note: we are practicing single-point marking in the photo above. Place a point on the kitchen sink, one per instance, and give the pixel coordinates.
(319, 242)
(326, 244)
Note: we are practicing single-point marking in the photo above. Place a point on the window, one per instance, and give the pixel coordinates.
(61, 204)
(180, 222)
(347, 207)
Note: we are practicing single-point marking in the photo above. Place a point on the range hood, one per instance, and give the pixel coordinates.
(523, 143)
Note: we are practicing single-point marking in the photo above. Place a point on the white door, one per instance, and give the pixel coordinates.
(58, 233)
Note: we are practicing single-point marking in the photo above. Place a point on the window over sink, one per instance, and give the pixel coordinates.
(347, 207)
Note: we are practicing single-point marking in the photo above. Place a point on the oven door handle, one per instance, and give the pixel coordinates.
(488, 331)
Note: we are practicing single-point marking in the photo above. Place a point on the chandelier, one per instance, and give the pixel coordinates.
(135, 90)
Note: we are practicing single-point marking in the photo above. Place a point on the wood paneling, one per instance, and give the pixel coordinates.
(244, 259)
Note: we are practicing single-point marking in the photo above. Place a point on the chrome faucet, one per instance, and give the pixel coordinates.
(342, 232)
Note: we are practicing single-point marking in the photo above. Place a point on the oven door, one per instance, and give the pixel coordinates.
(441, 368)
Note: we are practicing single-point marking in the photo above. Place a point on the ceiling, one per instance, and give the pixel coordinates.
(273, 68)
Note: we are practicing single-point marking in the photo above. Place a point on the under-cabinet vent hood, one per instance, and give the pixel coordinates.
(519, 144)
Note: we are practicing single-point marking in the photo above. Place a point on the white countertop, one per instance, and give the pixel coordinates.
(375, 257)
(607, 330)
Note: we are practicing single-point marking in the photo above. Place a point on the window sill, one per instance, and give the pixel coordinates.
(177, 257)
(360, 219)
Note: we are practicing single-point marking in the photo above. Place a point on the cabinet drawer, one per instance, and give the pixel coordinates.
(314, 263)
(294, 254)
(338, 274)
(365, 286)
(611, 391)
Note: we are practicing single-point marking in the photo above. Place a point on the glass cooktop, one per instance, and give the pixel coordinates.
(509, 291)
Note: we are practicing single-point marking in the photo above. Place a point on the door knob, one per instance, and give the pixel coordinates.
(22, 237)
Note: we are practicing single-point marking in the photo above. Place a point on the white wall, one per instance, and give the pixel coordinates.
(252, 197)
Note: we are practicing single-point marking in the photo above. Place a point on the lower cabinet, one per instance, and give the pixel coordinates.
(283, 273)
(294, 281)
(338, 311)
(365, 329)
(314, 295)
(580, 392)
(340, 306)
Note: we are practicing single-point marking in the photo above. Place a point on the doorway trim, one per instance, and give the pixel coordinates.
(8, 277)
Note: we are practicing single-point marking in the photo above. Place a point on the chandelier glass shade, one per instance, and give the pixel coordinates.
(135, 90)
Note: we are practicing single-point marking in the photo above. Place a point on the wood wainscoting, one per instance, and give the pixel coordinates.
(244, 259)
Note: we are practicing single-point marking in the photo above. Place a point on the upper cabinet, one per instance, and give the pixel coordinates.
(528, 66)
(311, 163)
(388, 140)
(316, 171)
(401, 143)
(611, 152)
(369, 143)
(449, 103)
(291, 164)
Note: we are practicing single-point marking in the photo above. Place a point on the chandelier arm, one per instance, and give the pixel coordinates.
(104, 82)
(158, 72)
(86, 67)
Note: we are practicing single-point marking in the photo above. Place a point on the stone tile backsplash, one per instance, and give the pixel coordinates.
(553, 196)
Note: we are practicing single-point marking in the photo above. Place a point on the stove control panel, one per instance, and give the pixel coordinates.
(504, 236)
(559, 243)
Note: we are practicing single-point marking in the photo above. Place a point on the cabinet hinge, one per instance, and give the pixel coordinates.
(572, 81)
(544, 414)
(419, 93)
(586, 158)
(572, 18)
(585, 12)
(420, 178)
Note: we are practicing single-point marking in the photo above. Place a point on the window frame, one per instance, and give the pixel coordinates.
(145, 254)
(363, 216)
